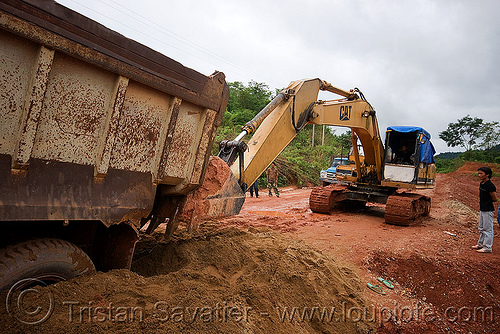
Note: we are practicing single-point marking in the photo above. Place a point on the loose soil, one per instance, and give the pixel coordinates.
(278, 267)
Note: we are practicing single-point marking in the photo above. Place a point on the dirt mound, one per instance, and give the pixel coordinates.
(471, 167)
(463, 184)
(221, 281)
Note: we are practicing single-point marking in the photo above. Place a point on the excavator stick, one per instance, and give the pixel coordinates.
(405, 209)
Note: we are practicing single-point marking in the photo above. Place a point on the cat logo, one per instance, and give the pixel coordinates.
(345, 113)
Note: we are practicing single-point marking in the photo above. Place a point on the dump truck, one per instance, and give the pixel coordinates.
(99, 136)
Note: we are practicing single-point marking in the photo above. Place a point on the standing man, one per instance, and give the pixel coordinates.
(487, 195)
(272, 179)
(254, 187)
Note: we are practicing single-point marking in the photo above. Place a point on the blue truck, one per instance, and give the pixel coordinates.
(328, 176)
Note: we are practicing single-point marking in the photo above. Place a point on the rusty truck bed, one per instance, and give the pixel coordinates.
(91, 121)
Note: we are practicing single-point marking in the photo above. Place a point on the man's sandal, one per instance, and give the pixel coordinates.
(375, 288)
(386, 282)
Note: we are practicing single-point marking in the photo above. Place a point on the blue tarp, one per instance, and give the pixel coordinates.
(427, 150)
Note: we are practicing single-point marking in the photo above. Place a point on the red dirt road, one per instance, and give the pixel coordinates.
(441, 284)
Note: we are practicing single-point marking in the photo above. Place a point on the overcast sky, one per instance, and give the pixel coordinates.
(424, 63)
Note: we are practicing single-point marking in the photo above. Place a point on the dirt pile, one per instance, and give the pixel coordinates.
(221, 281)
(218, 196)
(464, 184)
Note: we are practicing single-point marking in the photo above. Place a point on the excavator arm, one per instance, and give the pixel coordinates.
(283, 118)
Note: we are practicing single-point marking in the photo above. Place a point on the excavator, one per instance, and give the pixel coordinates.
(386, 174)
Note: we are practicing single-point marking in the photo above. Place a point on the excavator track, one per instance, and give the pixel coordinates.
(405, 209)
(323, 199)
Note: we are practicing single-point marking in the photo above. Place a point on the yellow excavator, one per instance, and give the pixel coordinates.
(386, 173)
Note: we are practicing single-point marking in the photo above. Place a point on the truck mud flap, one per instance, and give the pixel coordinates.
(115, 246)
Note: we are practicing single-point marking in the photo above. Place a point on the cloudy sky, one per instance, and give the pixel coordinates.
(425, 63)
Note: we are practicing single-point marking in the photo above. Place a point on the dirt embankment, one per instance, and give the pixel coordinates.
(463, 184)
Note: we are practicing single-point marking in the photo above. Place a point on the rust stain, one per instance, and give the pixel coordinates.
(16, 61)
(144, 116)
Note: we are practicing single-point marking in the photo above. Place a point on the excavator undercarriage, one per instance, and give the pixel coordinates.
(406, 208)
(402, 209)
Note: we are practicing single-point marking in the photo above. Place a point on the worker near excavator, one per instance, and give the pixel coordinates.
(487, 195)
(272, 179)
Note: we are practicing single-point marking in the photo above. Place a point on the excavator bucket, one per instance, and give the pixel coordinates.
(220, 195)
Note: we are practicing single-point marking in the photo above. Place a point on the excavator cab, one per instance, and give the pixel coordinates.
(409, 158)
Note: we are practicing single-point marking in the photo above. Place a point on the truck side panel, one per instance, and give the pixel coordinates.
(91, 122)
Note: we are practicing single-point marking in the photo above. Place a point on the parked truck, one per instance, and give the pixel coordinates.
(328, 176)
(99, 135)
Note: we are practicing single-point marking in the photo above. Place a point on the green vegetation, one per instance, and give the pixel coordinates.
(449, 162)
(472, 133)
(301, 161)
(448, 165)
(477, 136)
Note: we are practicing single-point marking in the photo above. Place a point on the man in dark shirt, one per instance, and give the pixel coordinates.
(487, 195)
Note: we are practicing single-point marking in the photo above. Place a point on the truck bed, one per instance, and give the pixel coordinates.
(91, 122)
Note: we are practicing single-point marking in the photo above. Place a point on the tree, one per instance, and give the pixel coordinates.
(465, 132)
(245, 101)
(253, 97)
(344, 141)
(490, 134)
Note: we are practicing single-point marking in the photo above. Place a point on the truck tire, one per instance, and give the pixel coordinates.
(48, 260)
